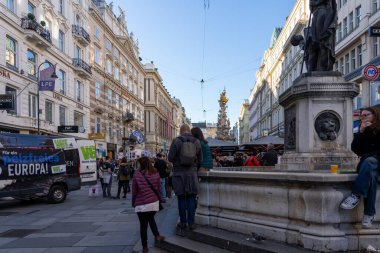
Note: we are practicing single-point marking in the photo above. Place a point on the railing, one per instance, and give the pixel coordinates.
(31, 24)
(77, 62)
(78, 30)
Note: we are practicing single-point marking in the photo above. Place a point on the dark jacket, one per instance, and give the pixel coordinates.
(120, 174)
(141, 192)
(366, 143)
(207, 156)
(185, 179)
(270, 158)
(161, 166)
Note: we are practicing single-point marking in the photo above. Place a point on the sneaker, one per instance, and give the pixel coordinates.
(367, 221)
(350, 202)
(192, 226)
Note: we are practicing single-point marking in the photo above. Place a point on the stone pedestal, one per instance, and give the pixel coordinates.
(296, 208)
(318, 122)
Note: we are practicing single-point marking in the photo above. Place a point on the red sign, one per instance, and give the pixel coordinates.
(371, 72)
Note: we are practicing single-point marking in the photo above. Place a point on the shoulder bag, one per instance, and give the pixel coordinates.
(155, 192)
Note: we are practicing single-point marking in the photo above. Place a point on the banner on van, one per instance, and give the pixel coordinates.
(65, 143)
(25, 162)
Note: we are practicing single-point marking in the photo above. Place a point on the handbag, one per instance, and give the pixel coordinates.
(160, 206)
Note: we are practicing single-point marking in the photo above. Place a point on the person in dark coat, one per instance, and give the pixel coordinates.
(123, 179)
(207, 163)
(161, 166)
(270, 158)
(146, 200)
(366, 144)
(185, 178)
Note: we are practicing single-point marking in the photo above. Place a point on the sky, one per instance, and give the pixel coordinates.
(219, 41)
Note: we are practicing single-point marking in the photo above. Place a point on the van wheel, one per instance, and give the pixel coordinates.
(57, 194)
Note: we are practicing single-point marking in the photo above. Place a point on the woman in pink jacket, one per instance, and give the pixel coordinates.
(146, 196)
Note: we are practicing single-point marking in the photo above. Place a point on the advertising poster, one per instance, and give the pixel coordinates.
(87, 156)
(18, 163)
(65, 143)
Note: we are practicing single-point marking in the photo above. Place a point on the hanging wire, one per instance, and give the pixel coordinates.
(206, 6)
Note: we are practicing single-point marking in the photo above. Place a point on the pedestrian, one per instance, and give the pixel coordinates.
(146, 195)
(207, 162)
(161, 167)
(270, 158)
(252, 161)
(186, 155)
(107, 177)
(123, 175)
(366, 144)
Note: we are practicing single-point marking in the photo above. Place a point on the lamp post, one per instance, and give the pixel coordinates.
(54, 75)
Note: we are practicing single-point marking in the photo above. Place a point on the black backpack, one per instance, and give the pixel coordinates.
(125, 169)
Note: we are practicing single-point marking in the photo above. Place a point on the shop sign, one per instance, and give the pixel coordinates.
(96, 136)
(6, 101)
(5, 73)
(68, 129)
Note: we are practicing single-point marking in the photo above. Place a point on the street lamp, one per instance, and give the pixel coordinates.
(54, 75)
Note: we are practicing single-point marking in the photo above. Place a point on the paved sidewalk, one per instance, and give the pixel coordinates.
(80, 224)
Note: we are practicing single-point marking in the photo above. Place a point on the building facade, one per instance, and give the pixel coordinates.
(243, 124)
(33, 32)
(355, 48)
(101, 80)
(161, 112)
(281, 64)
(117, 90)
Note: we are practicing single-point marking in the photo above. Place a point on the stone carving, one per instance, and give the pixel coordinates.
(290, 128)
(319, 41)
(327, 126)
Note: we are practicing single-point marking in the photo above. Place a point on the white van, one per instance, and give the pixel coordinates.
(87, 157)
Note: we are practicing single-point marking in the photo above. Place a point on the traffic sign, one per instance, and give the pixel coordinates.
(371, 72)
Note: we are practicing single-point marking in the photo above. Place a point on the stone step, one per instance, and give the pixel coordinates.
(235, 242)
(179, 244)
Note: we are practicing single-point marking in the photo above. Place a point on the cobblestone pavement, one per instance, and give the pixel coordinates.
(80, 224)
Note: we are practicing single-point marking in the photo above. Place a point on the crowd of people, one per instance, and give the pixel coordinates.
(270, 157)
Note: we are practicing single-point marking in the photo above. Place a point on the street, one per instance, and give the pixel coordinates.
(80, 224)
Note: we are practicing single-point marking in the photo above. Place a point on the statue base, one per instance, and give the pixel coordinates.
(318, 122)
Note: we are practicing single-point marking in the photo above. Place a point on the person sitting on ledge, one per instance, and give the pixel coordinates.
(366, 144)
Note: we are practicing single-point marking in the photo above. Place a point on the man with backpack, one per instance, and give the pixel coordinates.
(186, 155)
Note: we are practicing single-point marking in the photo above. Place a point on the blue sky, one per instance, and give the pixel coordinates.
(226, 54)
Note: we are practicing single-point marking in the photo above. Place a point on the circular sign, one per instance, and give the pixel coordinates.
(371, 72)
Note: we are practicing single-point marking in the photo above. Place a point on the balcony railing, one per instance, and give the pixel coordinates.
(80, 31)
(31, 24)
(77, 62)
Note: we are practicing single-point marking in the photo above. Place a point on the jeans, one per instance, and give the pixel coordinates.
(107, 189)
(186, 208)
(145, 218)
(366, 184)
(122, 184)
(163, 189)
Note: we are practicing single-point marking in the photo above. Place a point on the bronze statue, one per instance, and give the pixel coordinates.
(319, 45)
